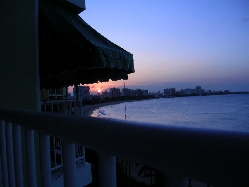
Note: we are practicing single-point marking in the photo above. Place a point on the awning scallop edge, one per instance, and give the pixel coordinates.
(72, 52)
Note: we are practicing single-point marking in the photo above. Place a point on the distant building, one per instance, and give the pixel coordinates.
(145, 92)
(126, 92)
(53, 94)
(115, 92)
(169, 92)
(139, 92)
(209, 92)
(106, 94)
(187, 91)
(133, 93)
(226, 91)
(83, 92)
(197, 91)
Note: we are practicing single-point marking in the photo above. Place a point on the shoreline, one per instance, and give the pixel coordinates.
(89, 109)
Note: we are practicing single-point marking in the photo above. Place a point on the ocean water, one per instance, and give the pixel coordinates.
(229, 112)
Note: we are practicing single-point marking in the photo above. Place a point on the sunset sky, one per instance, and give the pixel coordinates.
(178, 44)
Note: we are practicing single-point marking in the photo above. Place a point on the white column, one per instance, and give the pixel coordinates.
(3, 155)
(10, 155)
(30, 157)
(69, 164)
(18, 155)
(175, 181)
(45, 161)
(107, 170)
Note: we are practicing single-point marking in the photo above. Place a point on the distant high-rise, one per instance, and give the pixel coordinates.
(83, 92)
(114, 92)
(169, 92)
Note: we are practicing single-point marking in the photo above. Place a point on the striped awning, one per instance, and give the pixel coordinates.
(71, 52)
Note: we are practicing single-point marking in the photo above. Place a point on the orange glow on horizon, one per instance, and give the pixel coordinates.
(101, 86)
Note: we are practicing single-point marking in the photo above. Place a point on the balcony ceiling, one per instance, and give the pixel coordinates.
(71, 52)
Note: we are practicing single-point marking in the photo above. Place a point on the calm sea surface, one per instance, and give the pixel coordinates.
(229, 112)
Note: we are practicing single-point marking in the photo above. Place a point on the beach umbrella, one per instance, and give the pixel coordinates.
(71, 52)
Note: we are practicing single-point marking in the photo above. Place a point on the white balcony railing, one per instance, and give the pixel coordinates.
(217, 157)
(69, 107)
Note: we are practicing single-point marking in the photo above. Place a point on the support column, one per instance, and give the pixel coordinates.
(19, 60)
(46, 178)
(10, 155)
(107, 170)
(69, 164)
(18, 155)
(3, 155)
(30, 157)
(175, 181)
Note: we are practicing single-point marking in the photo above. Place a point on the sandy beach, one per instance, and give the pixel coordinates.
(88, 109)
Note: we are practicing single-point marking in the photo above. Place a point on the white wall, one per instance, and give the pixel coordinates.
(19, 80)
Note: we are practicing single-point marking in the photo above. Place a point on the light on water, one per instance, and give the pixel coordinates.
(229, 112)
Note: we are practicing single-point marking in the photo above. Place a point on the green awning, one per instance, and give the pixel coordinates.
(72, 52)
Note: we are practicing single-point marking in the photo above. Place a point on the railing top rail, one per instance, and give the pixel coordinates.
(58, 101)
(210, 155)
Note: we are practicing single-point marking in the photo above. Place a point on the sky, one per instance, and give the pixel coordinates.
(179, 44)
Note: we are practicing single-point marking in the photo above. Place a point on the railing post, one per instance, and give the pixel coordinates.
(175, 181)
(45, 160)
(107, 170)
(69, 164)
(3, 155)
(18, 155)
(10, 155)
(30, 157)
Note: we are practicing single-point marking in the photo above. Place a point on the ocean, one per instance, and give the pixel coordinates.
(230, 112)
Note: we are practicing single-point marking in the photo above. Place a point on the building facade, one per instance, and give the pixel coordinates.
(115, 92)
(54, 94)
(169, 92)
(83, 92)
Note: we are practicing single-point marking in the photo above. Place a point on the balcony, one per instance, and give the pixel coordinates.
(215, 157)
(212, 156)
